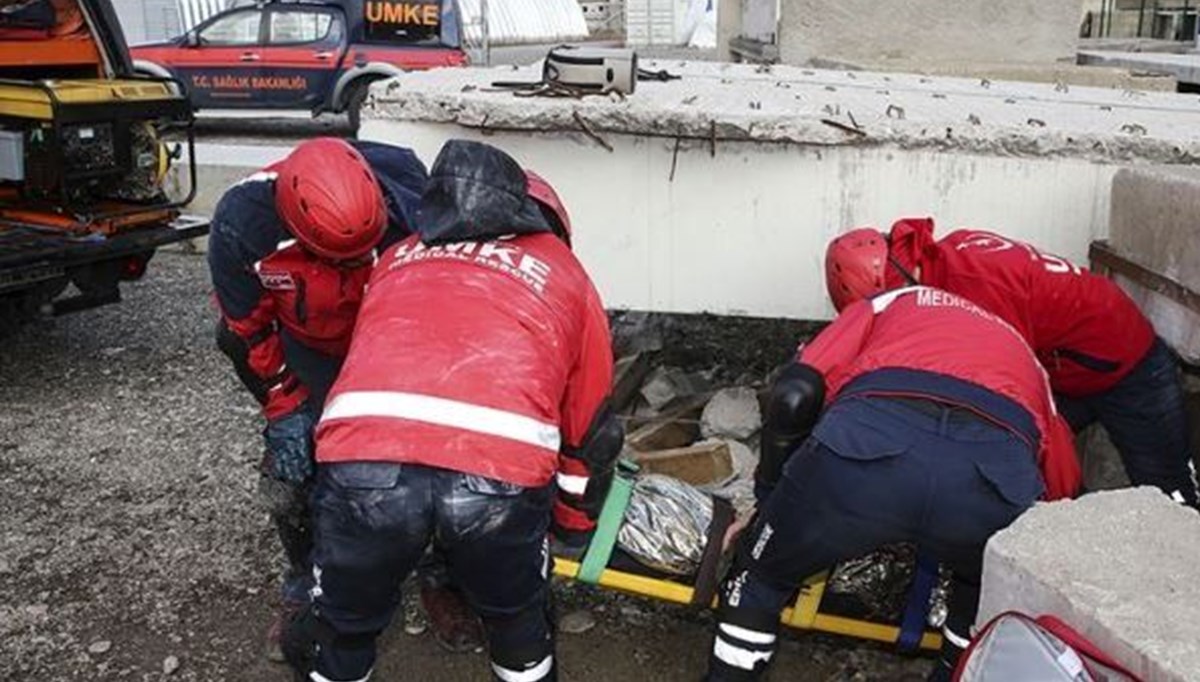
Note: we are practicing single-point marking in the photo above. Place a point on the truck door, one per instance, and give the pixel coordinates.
(302, 55)
(222, 60)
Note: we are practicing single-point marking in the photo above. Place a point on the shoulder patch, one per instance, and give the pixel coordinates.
(277, 281)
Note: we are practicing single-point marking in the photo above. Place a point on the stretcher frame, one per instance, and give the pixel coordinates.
(804, 614)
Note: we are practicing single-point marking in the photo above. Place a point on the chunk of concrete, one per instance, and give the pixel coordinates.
(669, 384)
(663, 434)
(701, 464)
(1153, 220)
(1122, 568)
(1013, 31)
(1102, 465)
(732, 413)
(1153, 224)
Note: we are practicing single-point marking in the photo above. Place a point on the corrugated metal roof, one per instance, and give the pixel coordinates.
(192, 12)
(525, 21)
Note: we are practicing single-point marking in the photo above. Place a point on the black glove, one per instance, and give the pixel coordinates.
(290, 446)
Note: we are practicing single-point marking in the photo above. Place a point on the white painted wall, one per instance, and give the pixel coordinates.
(744, 232)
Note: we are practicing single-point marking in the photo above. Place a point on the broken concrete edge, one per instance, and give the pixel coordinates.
(712, 116)
(700, 129)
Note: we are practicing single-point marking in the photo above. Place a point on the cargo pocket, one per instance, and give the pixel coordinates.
(490, 487)
(1012, 473)
(859, 432)
(364, 475)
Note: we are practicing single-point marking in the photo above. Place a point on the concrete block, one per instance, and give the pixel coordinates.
(1152, 222)
(701, 464)
(1016, 30)
(1120, 567)
(663, 434)
(1102, 466)
(789, 180)
(732, 413)
(669, 384)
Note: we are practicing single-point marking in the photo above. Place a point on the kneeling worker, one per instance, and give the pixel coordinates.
(915, 417)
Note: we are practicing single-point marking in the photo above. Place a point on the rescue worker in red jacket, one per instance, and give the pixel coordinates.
(1104, 360)
(290, 250)
(470, 414)
(915, 417)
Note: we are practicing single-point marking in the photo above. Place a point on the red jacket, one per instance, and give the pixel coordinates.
(266, 283)
(953, 345)
(1087, 333)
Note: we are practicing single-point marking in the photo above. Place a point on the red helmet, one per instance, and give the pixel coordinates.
(855, 266)
(329, 200)
(547, 198)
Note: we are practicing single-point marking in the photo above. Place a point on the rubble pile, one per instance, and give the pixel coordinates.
(699, 423)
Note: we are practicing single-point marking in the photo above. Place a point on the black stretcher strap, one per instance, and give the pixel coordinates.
(708, 577)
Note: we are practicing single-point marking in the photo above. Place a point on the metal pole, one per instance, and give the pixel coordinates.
(486, 32)
(1141, 17)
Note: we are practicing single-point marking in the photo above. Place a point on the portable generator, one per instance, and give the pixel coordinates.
(83, 146)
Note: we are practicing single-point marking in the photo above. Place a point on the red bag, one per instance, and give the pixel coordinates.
(1014, 647)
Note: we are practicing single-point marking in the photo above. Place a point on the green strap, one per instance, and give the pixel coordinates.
(600, 549)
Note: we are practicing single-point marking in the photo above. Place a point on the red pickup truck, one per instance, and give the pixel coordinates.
(304, 54)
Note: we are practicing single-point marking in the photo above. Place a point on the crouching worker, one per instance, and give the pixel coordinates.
(471, 410)
(915, 417)
(290, 252)
(1105, 363)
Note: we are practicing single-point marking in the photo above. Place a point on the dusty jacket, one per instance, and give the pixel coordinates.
(926, 343)
(1087, 333)
(481, 346)
(266, 283)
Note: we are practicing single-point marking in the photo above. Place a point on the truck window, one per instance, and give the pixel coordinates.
(237, 28)
(299, 27)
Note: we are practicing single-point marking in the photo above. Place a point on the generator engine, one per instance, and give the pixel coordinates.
(77, 145)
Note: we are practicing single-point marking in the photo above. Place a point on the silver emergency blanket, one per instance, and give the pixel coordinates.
(880, 581)
(666, 524)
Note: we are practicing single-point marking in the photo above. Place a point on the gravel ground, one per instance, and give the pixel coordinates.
(132, 542)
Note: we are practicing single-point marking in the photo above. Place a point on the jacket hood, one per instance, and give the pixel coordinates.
(401, 177)
(475, 193)
(909, 244)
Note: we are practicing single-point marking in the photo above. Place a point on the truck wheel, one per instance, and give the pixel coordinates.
(354, 102)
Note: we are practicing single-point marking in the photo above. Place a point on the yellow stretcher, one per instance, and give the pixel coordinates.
(805, 614)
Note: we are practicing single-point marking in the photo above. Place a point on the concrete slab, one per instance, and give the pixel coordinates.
(1123, 568)
(1184, 67)
(1014, 30)
(787, 104)
(1153, 222)
(718, 193)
